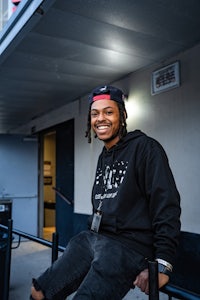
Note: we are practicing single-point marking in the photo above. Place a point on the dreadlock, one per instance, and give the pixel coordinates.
(122, 122)
(88, 131)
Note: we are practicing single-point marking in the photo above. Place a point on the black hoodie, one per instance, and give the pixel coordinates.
(141, 205)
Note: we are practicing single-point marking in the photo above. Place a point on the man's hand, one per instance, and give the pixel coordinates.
(142, 280)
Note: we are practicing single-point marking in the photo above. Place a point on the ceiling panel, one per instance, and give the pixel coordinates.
(69, 47)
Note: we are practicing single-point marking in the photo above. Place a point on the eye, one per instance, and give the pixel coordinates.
(93, 114)
(109, 112)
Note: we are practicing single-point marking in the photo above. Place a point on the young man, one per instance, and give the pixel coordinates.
(136, 214)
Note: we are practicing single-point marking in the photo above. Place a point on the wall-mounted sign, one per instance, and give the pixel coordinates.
(47, 180)
(47, 168)
(165, 78)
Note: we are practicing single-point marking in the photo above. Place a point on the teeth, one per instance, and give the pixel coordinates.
(102, 127)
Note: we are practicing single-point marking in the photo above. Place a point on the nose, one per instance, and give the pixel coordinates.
(100, 117)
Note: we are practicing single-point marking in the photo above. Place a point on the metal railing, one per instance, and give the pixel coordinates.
(10, 231)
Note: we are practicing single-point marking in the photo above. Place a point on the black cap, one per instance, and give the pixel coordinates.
(107, 92)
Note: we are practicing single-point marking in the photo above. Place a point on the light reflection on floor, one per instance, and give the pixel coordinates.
(47, 233)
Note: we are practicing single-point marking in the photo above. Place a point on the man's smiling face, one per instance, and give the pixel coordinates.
(105, 120)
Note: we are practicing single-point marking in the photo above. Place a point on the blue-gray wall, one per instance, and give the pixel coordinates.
(19, 179)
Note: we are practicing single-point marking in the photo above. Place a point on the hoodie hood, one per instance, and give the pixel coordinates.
(125, 140)
(130, 136)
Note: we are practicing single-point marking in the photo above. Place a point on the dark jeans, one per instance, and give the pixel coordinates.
(96, 266)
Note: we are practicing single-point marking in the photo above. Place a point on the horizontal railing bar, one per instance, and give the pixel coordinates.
(32, 238)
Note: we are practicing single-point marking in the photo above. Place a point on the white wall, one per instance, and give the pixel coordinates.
(171, 117)
(85, 162)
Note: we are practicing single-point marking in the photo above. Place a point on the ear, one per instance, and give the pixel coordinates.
(125, 114)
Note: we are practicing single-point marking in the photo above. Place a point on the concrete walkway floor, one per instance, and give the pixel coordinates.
(29, 260)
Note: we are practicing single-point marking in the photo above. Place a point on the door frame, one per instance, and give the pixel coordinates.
(41, 137)
(41, 183)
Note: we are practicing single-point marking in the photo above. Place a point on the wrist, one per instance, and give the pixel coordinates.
(165, 263)
(164, 270)
(164, 267)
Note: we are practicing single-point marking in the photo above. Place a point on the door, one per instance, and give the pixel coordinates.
(64, 180)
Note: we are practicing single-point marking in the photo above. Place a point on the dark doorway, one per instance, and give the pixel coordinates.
(57, 184)
(49, 181)
(58, 181)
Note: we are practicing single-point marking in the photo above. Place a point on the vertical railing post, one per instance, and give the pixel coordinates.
(153, 280)
(8, 262)
(54, 247)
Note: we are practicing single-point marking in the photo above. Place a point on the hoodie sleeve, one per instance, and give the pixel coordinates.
(164, 201)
